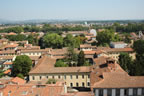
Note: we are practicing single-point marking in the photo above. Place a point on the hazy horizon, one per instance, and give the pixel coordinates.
(19, 10)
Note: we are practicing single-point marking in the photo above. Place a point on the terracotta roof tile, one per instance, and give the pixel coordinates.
(7, 71)
(11, 45)
(119, 80)
(46, 63)
(8, 63)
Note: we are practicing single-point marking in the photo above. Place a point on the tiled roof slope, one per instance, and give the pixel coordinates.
(46, 65)
(119, 80)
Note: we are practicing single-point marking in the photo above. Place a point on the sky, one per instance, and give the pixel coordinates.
(72, 9)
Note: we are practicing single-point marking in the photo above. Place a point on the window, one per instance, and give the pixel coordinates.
(59, 77)
(40, 77)
(76, 76)
(33, 53)
(100, 92)
(64, 76)
(33, 78)
(83, 85)
(47, 77)
(109, 92)
(88, 76)
(117, 92)
(142, 91)
(71, 84)
(83, 76)
(53, 77)
(135, 91)
(77, 84)
(70, 76)
(126, 92)
(88, 83)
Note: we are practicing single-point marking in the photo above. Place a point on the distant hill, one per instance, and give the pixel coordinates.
(54, 21)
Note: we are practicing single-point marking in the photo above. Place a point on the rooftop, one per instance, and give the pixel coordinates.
(46, 63)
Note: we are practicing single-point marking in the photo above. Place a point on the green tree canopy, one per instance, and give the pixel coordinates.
(139, 62)
(71, 56)
(60, 63)
(21, 65)
(126, 63)
(81, 59)
(18, 37)
(139, 47)
(53, 40)
(105, 37)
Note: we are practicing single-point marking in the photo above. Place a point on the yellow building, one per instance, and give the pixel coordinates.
(73, 76)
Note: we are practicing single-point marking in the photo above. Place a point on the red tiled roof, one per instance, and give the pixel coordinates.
(7, 71)
(87, 46)
(18, 80)
(6, 57)
(12, 33)
(119, 50)
(89, 52)
(46, 65)
(8, 63)
(11, 45)
(100, 60)
(119, 80)
(7, 52)
(33, 90)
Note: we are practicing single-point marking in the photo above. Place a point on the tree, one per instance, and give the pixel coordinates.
(86, 63)
(139, 47)
(33, 39)
(20, 76)
(1, 73)
(21, 65)
(81, 59)
(127, 39)
(71, 56)
(105, 37)
(53, 40)
(60, 63)
(139, 62)
(126, 62)
(69, 40)
(18, 37)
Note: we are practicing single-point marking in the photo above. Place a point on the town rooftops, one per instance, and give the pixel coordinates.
(8, 63)
(119, 80)
(32, 90)
(11, 45)
(34, 57)
(118, 43)
(12, 33)
(7, 52)
(62, 70)
(100, 60)
(46, 65)
(30, 50)
(87, 46)
(18, 80)
(6, 57)
(119, 50)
